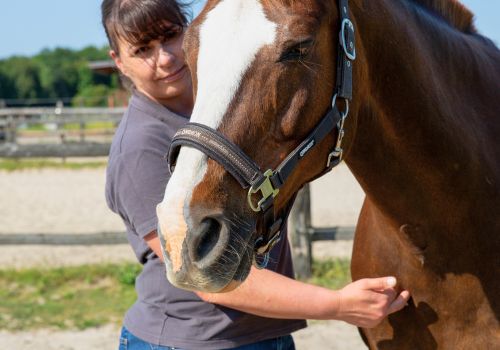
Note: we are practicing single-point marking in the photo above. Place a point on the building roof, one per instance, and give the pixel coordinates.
(104, 67)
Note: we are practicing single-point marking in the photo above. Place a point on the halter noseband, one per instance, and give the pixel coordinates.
(268, 183)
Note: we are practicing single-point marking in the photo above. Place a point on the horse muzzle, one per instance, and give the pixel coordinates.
(207, 257)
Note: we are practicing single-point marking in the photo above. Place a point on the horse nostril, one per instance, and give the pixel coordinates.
(209, 236)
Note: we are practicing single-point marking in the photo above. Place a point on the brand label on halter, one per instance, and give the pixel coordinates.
(306, 149)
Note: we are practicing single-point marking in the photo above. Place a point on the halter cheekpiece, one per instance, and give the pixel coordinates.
(263, 187)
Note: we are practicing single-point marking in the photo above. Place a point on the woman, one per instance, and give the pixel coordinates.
(146, 38)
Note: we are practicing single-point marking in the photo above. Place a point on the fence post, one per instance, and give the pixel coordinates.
(11, 136)
(299, 223)
(82, 129)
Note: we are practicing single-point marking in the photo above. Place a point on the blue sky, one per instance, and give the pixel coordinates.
(28, 26)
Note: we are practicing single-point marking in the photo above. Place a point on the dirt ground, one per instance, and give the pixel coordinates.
(68, 201)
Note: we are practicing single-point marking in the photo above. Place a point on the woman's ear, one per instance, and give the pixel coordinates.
(118, 62)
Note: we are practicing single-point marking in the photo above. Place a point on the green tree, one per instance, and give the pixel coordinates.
(92, 96)
(56, 73)
(24, 77)
(7, 89)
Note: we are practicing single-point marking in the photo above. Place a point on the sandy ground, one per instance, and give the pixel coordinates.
(66, 201)
(318, 336)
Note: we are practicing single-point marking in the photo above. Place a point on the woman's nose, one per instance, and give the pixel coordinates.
(165, 56)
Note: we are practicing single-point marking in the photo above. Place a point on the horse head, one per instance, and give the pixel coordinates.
(264, 76)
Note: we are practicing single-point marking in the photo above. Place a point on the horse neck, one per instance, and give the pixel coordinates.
(424, 137)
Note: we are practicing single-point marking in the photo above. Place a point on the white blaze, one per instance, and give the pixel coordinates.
(230, 37)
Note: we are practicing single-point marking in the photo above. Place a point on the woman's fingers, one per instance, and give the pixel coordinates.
(380, 283)
(399, 303)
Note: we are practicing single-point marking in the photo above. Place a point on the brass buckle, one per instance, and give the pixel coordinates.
(267, 190)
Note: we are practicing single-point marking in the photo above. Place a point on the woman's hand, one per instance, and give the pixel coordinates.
(365, 303)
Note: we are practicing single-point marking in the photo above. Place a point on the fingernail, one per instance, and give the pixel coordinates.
(391, 282)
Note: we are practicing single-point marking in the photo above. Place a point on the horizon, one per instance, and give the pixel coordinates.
(48, 19)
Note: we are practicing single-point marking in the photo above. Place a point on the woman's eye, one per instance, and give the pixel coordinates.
(141, 50)
(297, 52)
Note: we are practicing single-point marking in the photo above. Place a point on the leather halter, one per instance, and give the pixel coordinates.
(268, 183)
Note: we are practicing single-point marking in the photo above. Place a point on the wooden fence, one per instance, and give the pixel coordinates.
(303, 234)
(54, 139)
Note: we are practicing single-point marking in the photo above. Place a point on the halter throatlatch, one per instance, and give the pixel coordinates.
(263, 187)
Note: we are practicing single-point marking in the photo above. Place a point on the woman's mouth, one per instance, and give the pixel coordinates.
(178, 74)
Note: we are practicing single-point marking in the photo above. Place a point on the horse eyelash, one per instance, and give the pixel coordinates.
(289, 56)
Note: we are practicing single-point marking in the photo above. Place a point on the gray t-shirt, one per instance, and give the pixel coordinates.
(163, 314)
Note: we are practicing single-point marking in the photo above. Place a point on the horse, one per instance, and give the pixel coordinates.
(416, 117)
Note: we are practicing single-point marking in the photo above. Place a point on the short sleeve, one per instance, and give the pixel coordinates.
(140, 181)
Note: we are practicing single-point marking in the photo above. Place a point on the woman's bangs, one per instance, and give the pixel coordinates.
(139, 25)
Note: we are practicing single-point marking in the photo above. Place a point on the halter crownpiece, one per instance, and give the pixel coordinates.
(267, 184)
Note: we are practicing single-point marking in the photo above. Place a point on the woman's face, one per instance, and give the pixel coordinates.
(156, 68)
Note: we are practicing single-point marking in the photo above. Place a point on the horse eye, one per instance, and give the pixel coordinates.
(172, 32)
(297, 52)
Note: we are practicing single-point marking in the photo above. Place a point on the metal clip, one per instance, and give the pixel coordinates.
(337, 152)
(267, 190)
(265, 250)
(269, 245)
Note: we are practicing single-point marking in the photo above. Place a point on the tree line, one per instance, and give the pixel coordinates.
(56, 74)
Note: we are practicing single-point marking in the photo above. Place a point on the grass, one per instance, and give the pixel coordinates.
(90, 126)
(331, 273)
(93, 295)
(70, 297)
(73, 126)
(8, 164)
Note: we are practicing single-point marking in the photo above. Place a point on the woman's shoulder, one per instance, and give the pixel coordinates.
(139, 132)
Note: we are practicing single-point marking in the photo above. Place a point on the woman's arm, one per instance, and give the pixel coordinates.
(364, 303)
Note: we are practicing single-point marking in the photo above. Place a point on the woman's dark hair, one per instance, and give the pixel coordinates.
(141, 21)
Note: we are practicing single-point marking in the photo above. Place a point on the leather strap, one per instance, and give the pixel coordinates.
(287, 166)
(346, 52)
(217, 147)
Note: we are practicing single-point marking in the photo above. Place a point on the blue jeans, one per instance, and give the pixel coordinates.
(128, 341)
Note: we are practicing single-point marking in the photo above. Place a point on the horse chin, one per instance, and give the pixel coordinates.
(238, 278)
(209, 284)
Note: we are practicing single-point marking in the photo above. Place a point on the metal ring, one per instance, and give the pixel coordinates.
(346, 112)
(334, 100)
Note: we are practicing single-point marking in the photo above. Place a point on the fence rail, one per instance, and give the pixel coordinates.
(66, 150)
(63, 142)
(64, 239)
(60, 111)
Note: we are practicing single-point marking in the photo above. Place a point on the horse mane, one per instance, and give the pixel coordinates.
(452, 11)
